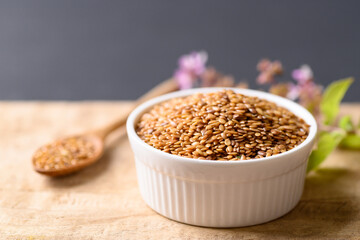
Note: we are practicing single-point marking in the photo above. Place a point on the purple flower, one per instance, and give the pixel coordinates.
(184, 79)
(303, 74)
(310, 96)
(294, 92)
(194, 62)
(191, 67)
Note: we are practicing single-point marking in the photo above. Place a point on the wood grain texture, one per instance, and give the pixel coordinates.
(103, 201)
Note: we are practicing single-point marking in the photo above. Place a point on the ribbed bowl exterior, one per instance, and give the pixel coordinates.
(220, 194)
(219, 203)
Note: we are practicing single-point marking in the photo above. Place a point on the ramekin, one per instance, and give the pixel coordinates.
(221, 193)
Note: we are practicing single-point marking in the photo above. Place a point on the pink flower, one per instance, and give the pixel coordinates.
(263, 65)
(310, 91)
(194, 62)
(303, 74)
(294, 92)
(265, 77)
(184, 79)
(268, 70)
(190, 68)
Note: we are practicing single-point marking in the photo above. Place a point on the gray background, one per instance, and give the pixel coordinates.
(75, 50)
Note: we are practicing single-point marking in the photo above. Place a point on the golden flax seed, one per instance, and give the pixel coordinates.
(64, 153)
(222, 126)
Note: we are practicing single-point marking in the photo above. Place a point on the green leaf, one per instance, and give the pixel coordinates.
(332, 97)
(351, 141)
(327, 142)
(346, 123)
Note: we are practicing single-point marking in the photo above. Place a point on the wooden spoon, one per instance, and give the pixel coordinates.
(97, 138)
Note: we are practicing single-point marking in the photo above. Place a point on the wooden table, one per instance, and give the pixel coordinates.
(103, 201)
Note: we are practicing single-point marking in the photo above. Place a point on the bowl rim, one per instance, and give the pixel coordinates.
(305, 115)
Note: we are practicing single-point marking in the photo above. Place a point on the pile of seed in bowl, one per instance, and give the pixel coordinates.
(222, 125)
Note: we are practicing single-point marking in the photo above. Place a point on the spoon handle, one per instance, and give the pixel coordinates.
(164, 87)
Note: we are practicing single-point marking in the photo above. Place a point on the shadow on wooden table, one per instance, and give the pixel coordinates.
(325, 208)
(92, 172)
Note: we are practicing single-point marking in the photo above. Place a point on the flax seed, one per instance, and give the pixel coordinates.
(221, 126)
(63, 153)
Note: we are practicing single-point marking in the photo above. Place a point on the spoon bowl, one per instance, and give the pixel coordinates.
(98, 145)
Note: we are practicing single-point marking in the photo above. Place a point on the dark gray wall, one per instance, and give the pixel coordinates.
(56, 49)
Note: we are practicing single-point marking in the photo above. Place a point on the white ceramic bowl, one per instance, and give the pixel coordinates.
(221, 193)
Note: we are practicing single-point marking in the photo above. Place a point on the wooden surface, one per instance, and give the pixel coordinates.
(103, 201)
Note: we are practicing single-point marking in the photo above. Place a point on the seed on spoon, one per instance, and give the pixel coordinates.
(64, 153)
